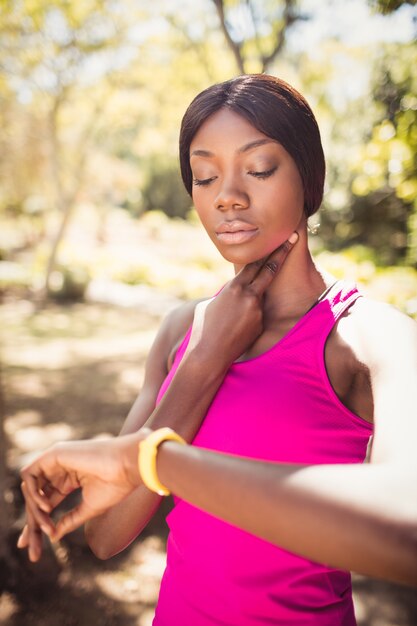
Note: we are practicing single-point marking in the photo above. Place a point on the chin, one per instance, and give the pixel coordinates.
(242, 255)
(242, 258)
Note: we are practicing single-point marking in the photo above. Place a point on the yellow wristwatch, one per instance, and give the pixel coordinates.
(148, 449)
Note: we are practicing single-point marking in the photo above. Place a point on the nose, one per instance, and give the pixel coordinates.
(231, 196)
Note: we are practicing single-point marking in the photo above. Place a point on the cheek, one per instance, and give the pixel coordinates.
(297, 189)
(205, 215)
(299, 196)
(286, 208)
(293, 194)
(203, 203)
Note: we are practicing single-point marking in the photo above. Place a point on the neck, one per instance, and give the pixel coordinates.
(297, 286)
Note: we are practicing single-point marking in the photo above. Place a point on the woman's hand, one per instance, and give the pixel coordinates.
(104, 470)
(224, 327)
(234, 320)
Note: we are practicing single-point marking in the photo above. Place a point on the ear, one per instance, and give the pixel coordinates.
(313, 224)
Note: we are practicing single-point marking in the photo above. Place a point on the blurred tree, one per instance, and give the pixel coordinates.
(391, 154)
(164, 189)
(52, 51)
(369, 202)
(370, 141)
(91, 94)
(255, 31)
(384, 185)
(22, 163)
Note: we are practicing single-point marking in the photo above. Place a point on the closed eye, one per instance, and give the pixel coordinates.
(261, 175)
(265, 174)
(203, 181)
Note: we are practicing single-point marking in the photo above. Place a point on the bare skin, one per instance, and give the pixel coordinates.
(361, 517)
(191, 392)
(235, 184)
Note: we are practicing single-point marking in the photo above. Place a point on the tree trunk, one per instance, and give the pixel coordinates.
(233, 45)
(289, 17)
(64, 200)
(66, 212)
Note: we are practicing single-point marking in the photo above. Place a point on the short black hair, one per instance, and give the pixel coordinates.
(277, 110)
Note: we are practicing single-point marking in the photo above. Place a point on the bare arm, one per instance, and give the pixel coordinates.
(110, 532)
(114, 529)
(359, 517)
(182, 407)
(352, 517)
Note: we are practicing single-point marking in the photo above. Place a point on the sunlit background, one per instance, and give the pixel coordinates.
(98, 239)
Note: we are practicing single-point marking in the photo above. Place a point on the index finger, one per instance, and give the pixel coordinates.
(272, 266)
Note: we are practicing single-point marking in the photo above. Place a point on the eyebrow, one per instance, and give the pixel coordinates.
(248, 146)
(255, 144)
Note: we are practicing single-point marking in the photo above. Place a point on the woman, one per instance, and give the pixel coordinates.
(284, 365)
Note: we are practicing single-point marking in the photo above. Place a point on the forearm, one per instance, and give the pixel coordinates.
(183, 408)
(357, 517)
(188, 397)
(110, 533)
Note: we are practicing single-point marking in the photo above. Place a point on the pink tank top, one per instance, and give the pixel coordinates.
(278, 406)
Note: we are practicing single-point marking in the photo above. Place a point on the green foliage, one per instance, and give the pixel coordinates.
(377, 220)
(394, 285)
(46, 128)
(92, 94)
(385, 182)
(164, 189)
(135, 275)
(69, 283)
(373, 186)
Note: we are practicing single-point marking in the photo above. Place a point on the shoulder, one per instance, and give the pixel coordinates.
(376, 318)
(386, 341)
(178, 321)
(172, 329)
(371, 358)
(381, 333)
(170, 334)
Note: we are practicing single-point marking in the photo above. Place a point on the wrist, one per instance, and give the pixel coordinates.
(147, 457)
(128, 450)
(203, 365)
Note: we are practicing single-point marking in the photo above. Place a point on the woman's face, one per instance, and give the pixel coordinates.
(247, 189)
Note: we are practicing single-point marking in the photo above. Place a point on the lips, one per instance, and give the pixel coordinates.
(236, 231)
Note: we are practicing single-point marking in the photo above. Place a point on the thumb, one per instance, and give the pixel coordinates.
(72, 520)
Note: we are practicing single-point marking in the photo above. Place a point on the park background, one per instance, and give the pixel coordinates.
(98, 240)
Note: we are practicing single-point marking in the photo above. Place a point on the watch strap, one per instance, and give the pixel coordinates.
(147, 453)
